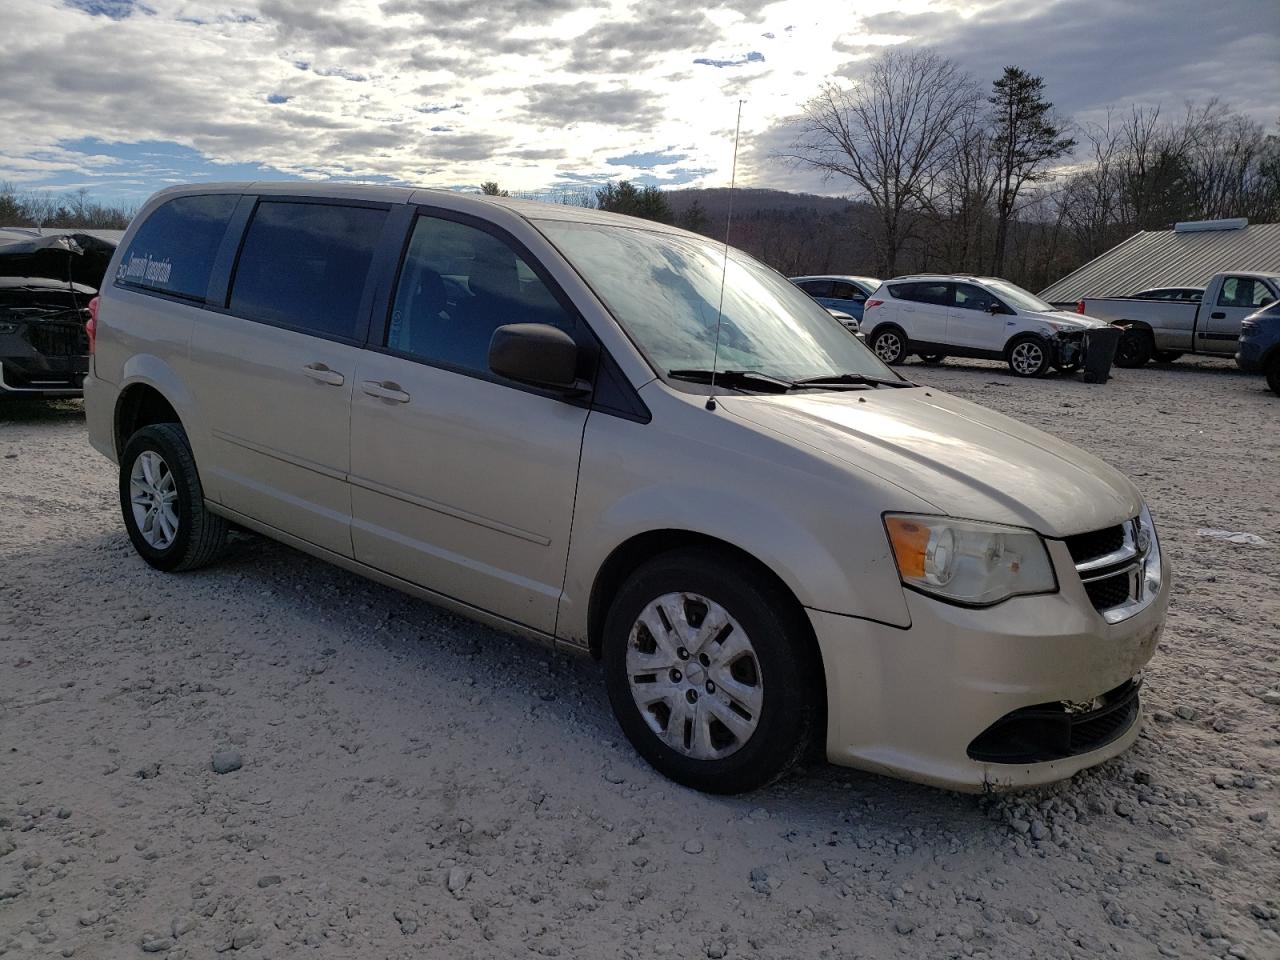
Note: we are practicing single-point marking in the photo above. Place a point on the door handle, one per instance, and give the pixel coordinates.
(322, 374)
(1217, 315)
(384, 390)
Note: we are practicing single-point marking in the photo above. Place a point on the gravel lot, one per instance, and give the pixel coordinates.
(413, 785)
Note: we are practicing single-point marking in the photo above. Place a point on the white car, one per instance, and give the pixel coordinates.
(961, 316)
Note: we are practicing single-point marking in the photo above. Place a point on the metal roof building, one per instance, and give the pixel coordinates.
(1186, 256)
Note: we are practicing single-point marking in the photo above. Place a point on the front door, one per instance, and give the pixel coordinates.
(463, 482)
(273, 373)
(848, 297)
(1218, 326)
(972, 324)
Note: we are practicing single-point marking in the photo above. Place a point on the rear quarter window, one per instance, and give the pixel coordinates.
(174, 249)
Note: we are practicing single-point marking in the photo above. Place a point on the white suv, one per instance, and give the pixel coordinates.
(962, 316)
(506, 408)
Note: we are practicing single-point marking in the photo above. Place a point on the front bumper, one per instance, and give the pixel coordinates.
(1249, 355)
(911, 703)
(39, 376)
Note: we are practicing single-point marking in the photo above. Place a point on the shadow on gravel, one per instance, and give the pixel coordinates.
(40, 411)
(447, 649)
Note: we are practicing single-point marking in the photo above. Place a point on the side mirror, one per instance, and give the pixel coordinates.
(993, 308)
(537, 354)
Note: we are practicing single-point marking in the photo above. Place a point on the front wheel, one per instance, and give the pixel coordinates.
(709, 672)
(163, 502)
(1134, 349)
(1029, 357)
(1273, 374)
(890, 345)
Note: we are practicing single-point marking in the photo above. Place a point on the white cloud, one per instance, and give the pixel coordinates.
(452, 91)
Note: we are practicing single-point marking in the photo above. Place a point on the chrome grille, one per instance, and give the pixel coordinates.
(1110, 564)
(58, 339)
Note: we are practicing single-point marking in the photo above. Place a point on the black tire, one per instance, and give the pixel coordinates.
(1066, 369)
(932, 358)
(889, 344)
(788, 676)
(1028, 356)
(1166, 356)
(1273, 373)
(200, 535)
(1134, 349)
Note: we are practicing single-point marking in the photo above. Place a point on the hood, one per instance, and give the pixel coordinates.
(1071, 320)
(963, 459)
(77, 257)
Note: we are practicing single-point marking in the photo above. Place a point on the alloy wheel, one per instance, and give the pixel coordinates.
(1027, 357)
(153, 494)
(888, 347)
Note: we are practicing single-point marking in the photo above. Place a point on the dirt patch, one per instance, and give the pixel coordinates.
(401, 783)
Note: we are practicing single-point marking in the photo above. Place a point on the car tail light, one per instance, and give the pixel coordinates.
(872, 303)
(1079, 306)
(91, 328)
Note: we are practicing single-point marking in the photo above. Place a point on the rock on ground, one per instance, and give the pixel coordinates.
(393, 744)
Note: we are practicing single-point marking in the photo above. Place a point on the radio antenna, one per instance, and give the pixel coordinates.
(724, 270)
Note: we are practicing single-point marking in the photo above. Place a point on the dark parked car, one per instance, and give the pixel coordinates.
(1259, 344)
(843, 293)
(1187, 294)
(46, 284)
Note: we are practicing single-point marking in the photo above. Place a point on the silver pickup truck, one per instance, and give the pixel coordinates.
(1166, 329)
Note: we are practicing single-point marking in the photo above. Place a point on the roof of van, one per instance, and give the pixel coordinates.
(528, 209)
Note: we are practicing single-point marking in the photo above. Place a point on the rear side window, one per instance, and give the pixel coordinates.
(174, 249)
(304, 266)
(459, 284)
(924, 292)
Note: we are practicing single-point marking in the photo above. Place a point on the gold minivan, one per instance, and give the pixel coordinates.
(507, 408)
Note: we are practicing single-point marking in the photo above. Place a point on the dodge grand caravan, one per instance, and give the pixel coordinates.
(507, 408)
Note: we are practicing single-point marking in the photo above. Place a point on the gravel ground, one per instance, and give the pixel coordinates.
(402, 783)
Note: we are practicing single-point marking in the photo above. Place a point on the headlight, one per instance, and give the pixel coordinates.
(964, 561)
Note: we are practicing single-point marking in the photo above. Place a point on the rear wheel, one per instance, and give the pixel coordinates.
(1028, 356)
(1167, 356)
(889, 344)
(1273, 373)
(163, 502)
(709, 672)
(1134, 349)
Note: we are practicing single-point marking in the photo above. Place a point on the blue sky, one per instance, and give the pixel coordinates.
(122, 97)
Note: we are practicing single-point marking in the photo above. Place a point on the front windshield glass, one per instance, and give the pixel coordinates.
(665, 288)
(1015, 296)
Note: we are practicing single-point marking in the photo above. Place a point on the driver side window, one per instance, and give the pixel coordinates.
(1244, 292)
(969, 297)
(457, 285)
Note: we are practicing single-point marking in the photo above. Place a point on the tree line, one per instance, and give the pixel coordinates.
(62, 211)
(998, 182)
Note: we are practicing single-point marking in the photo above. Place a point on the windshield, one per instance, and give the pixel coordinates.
(664, 290)
(1015, 296)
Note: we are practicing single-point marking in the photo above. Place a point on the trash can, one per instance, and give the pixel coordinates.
(1099, 350)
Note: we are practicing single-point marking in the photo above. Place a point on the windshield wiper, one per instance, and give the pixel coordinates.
(748, 379)
(850, 379)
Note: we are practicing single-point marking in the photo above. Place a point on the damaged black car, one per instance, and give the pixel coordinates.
(46, 284)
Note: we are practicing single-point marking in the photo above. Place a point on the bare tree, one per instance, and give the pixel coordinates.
(890, 133)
